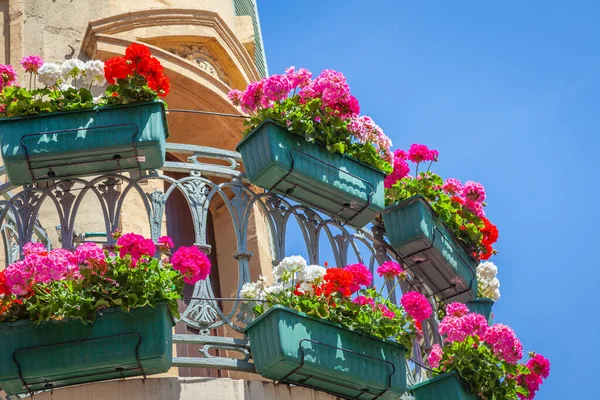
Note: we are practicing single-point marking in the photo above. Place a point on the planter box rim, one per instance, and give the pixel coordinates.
(321, 320)
(272, 122)
(99, 313)
(422, 199)
(97, 108)
(482, 300)
(445, 375)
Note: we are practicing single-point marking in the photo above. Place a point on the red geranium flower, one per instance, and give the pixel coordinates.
(137, 53)
(116, 68)
(336, 280)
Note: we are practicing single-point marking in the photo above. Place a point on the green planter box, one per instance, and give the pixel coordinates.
(482, 306)
(447, 386)
(430, 249)
(85, 142)
(278, 160)
(291, 347)
(53, 354)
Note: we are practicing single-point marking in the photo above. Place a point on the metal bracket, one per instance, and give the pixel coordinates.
(52, 175)
(338, 383)
(345, 206)
(49, 385)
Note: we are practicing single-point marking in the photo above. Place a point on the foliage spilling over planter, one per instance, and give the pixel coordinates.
(460, 206)
(61, 284)
(136, 77)
(321, 110)
(487, 358)
(343, 296)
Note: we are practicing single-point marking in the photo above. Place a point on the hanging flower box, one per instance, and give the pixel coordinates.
(278, 160)
(447, 386)
(56, 129)
(62, 145)
(71, 317)
(482, 306)
(60, 353)
(291, 347)
(430, 250)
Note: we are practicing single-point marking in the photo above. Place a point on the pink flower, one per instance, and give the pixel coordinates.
(386, 311)
(18, 276)
(8, 75)
(540, 365)
(451, 327)
(276, 87)
(235, 96)
(34, 248)
(475, 207)
(300, 78)
(416, 305)
(253, 97)
(361, 276)
(531, 382)
(32, 63)
(390, 270)
(453, 186)
(504, 343)
(474, 324)
(435, 356)
(401, 169)
(474, 191)
(136, 246)
(419, 153)
(193, 264)
(363, 300)
(90, 254)
(457, 309)
(165, 243)
(331, 86)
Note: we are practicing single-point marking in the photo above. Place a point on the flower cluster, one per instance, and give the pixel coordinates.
(460, 206)
(135, 77)
(135, 276)
(137, 66)
(321, 110)
(487, 282)
(493, 351)
(341, 295)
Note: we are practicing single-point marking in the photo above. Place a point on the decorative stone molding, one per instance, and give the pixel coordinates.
(201, 56)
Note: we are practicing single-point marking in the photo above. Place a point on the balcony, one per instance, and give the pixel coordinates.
(200, 197)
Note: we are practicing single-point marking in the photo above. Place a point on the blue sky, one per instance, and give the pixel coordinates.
(508, 92)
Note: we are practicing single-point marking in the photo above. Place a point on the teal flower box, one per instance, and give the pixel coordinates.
(278, 160)
(63, 145)
(482, 306)
(430, 250)
(447, 386)
(62, 353)
(291, 347)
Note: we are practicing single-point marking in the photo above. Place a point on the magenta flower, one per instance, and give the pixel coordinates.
(193, 264)
(276, 87)
(136, 246)
(390, 270)
(474, 191)
(435, 356)
(89, 253)
(401, 169)
(457, 309)
(34, 248)
(419, 153)
(363, 300)
(32, 63)
(18, 276)
(386, 311)
(165, 243)
(453, 186)
(475, 207)
(361, 276)
(504, 343)
(235, 96)
(8, 75)
(416, 305)
(538, 364)
(300, 78)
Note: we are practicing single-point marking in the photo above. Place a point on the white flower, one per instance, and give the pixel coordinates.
(49, 74)
(288, 267)
(495, 295)
(72, 68)
(306, 288)
(65, 86)
(93, 73)
(97, 99)
(312, 273)
(250, 290)
(487, 270)
(274, 289)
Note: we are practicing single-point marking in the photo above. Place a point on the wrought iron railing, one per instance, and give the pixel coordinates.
(211, 181)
